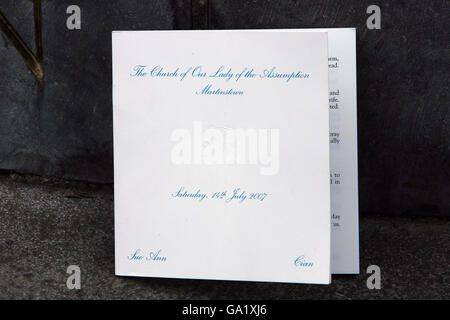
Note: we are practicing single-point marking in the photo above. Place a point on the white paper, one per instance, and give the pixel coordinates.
(167, 222)
(343, 151)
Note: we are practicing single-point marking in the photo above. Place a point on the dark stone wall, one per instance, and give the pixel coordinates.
(403, 91)
(65, 128)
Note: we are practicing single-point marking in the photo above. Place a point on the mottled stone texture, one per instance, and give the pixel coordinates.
(47, 225)
(65, 129)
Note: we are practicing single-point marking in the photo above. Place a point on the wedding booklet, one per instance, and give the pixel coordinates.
(222, 148)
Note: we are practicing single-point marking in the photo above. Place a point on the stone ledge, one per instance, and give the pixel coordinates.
(49, 224)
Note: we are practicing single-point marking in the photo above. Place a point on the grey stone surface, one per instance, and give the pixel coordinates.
(65, 129)
(47, 225)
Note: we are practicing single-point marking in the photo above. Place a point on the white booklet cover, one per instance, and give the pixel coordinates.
(221, 155)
